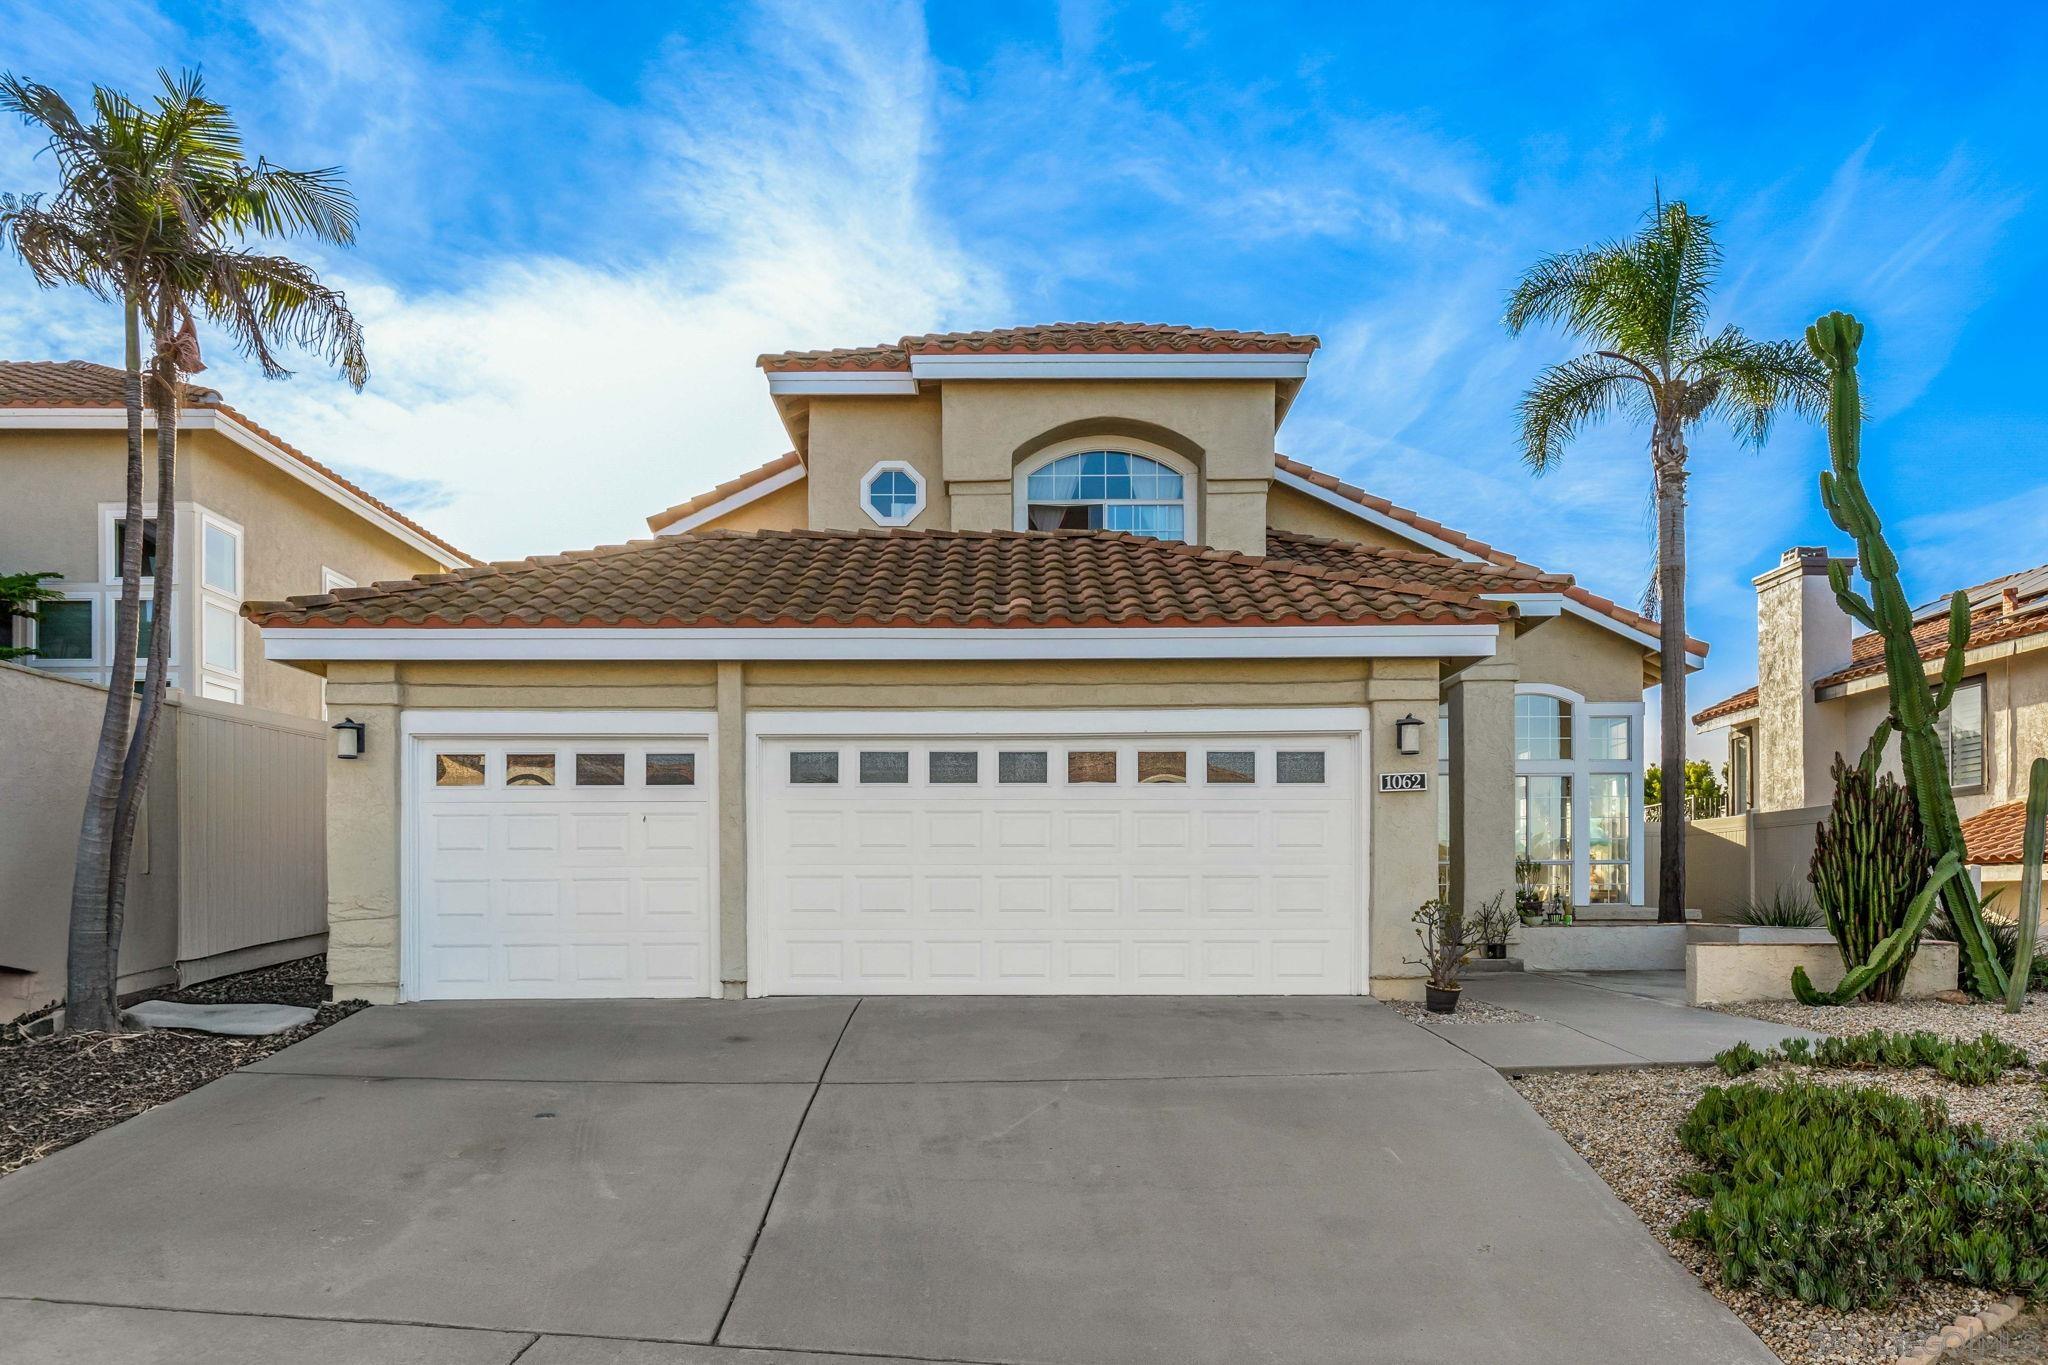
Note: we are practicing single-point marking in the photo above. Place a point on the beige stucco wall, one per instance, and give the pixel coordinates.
(365, 805)
(1291, 510)
(1567, 651)
(1224, 427)
(849, 436)
(786, 509)
(2015, 724)
(58, 480)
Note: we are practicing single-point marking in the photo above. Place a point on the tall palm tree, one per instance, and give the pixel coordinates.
(153, 208)
(1641, 304)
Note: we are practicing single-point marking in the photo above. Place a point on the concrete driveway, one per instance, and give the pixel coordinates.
(1061, 1182)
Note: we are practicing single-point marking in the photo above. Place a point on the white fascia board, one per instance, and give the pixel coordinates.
(209, 419)
(823, 383)
(1116, 642)
(1139, 721)
(1557, 604)
(1733, 718)
(1109, 366)
(1398, 527)
(750, 493)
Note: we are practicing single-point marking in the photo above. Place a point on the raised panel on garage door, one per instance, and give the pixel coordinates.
(561, 867)
(1071, 865)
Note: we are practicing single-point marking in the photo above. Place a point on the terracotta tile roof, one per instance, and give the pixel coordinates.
(1058, 338)
(674, 514)
(1741, 701)
(1990, 624)
(82, 384)
(886, 578)
(1436, 530)
(1409, 566)
(1994, 835)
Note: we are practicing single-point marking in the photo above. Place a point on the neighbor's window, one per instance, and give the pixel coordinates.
(64, 630)
(220, 568)
(1607, 836)
(1106, 490)
(1543, 727)
(1961, 728)
(148, 546)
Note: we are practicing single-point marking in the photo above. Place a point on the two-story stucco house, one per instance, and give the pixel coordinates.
(222, 864)
(1032, 667)
(1821, 690)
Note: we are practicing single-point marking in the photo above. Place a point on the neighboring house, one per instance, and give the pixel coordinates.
(1822, 690)
(1031, 668)
(226, 865)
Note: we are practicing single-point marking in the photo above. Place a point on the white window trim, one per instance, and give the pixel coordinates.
(330, 579)
(223, 678)
(1190, 480)
(110, 560)
(1581, 769)
(208, 519)
(898, 467)
(94, 596)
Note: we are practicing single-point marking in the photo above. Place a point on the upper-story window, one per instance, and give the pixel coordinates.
(1106, 490)
(892, 493)
(1961, 730)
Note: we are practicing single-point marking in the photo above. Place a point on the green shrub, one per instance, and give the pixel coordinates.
(1788, 907)
(1977, 1061)
(1847, 1196)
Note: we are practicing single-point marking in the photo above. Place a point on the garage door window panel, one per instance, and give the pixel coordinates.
(1223, 767)
(1299, 767)
(1021, 767)
(1162, 766)
(814, 767)
(954, 767)
(458, 770)
(1088, 766)
(529, 770)
(600, 770)
(890, 767)
(671, 770)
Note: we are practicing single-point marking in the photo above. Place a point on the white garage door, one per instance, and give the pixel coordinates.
(553, 866)
(1199, 864)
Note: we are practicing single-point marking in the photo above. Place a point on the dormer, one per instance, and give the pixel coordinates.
(1158, 430)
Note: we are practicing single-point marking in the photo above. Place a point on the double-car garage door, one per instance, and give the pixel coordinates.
(951, 855)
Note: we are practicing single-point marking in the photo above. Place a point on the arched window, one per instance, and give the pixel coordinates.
(1106, 490)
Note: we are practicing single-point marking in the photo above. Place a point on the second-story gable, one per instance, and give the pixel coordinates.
(1160, 430)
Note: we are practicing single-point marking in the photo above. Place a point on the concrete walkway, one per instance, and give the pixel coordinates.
(1599, 1021)
(831, 1182)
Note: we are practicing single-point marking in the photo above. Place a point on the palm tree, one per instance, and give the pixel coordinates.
(1642, 305)
(152, 211)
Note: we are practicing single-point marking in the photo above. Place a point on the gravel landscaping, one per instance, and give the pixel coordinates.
(1468, 1012)
(56, 1091)
(1624, 1124)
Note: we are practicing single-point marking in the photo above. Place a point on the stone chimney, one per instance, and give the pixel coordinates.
(1801, 634)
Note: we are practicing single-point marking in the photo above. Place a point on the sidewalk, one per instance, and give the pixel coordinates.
(1599, 1021)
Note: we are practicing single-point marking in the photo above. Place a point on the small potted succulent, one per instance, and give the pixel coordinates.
(1448, 942)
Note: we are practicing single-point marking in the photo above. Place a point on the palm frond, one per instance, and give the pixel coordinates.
(1749, 382)
(286, 203)
(1567, 397)
(259, 299)
(1562, 288)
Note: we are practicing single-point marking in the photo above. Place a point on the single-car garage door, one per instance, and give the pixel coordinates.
(560, 866)
(1026, 863)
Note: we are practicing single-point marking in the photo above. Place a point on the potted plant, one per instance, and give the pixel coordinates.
(1493, 925)
(1448, 941)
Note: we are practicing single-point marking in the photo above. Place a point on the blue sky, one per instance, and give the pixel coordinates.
(582, 223)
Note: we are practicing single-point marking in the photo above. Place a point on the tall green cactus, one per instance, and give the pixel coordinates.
(1914, 705)
(1868, 862)
(2030, 884)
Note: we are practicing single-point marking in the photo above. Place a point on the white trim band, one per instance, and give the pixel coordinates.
(1110, 642)
(732, 502)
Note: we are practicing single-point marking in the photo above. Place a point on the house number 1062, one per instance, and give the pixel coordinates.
(1404, 782)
